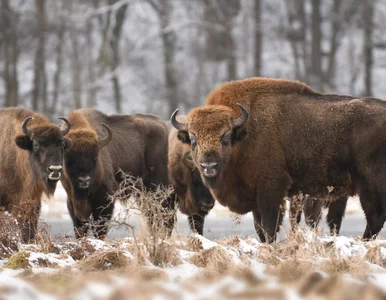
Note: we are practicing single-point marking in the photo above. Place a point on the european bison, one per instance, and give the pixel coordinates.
(101, 145)
(258, 140)
(31, 152)
(193, 197)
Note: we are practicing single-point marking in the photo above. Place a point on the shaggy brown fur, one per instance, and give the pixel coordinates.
(193, 197)
(23, 171)
(138, 146)
(297, 140)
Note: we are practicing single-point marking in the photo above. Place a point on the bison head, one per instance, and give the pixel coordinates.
(81, 166)
(212, 132)
(46, 144)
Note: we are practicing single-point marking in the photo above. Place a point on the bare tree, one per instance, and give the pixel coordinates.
(368, 19)
(164, 9)
(220, 44)
(8, 24)
(40, 77)
(59, 59)
(316, 52)
(258, 37)
(296, 34)
(115, 59)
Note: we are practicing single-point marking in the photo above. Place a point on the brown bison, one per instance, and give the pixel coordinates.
(31, 154)
(193, 197)
(258, 140)
(102, 145)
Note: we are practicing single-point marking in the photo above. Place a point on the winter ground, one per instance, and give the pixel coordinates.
(302, 265)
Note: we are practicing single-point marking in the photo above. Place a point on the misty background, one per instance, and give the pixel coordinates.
(152, 56)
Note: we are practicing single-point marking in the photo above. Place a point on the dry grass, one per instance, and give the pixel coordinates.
(106, 260)
(10, 235)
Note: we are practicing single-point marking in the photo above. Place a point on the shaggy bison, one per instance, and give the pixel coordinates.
(101, 145)
(258, 140)
(31, 154)
(193, 197)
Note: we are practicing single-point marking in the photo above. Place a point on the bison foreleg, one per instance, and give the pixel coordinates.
(335, 215)
(80, 228)
(271, 218)
(196, 223)
(258, 225)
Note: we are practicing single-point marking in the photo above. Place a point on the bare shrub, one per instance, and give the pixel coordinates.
(10, 235)
(157, 210)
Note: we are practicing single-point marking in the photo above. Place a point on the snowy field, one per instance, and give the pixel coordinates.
(304, 265)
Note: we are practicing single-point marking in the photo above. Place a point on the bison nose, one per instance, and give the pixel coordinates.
(207, 206)
(209, 169)
(54, 172)
(84, 182)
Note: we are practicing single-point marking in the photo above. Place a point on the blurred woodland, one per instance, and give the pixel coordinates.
(125, 56)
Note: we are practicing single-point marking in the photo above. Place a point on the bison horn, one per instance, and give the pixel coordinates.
(103, 142)
(188, 161)
(240, 121)
(178, 125)
(24, 126)
(68, 127)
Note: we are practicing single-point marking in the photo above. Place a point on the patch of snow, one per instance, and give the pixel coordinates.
(180, 272)
(13, 288)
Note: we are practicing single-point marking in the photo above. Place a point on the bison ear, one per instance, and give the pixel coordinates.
(24, 142)
(238, 134)
(183, 136)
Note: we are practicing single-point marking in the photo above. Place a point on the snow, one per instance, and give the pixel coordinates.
(179, 280)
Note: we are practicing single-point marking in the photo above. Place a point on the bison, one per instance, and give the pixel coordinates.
(31, 154)
(259, 140)
(101, 145)
(193, 197)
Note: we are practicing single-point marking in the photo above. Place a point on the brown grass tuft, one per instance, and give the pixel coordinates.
(215, 259)
(106, 260)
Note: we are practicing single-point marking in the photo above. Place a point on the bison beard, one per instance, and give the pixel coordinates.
(298, 140)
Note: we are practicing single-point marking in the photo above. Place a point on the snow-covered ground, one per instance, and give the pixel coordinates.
(306, 265)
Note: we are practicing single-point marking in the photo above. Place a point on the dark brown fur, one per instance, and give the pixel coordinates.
(139, 146)
(21, 183)
(193, 197)
(297, 140)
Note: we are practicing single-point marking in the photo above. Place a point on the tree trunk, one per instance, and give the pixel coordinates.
(39, 91)
(8, 21)
(368, 16)
(336, 21)
(59, 63)
(91, 89)
(169, 40)
(316, 53)
(76, 72)
(258, 38)
(115, 60)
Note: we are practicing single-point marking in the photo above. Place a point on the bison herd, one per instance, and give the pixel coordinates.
(255, 143)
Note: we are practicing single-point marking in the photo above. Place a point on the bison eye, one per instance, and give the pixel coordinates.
(193, 144)
(36, 146)
(226, 140)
